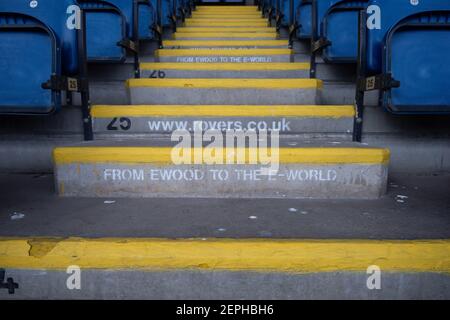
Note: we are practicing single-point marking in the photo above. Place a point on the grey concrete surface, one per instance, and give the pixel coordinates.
(417, 154)
(265, 74)
(250, 45)
(231, 59)
(215, 96)
(286, 125)
(292, 181)
(193, 285)
(424, 214)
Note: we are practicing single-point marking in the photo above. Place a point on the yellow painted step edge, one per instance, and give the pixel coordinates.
(269, 84)
(111, 111)
(224, 52)
(235, 15)
(225, 24)
(250, 35)
(226, 29)
(163, 155)
(269, 66)
(206, 43)
(239, 19)
(258, 255)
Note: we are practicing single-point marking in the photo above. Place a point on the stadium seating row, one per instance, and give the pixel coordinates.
(46, 45)
(401, 47)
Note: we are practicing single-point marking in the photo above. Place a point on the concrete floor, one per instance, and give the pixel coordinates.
(424, 214)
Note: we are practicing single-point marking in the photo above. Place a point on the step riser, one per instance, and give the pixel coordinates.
(166, 96)
(224, 46)
(319, 181)
(207, 37)
(166, 125)
(226, 24)
(228, 59)
(228, 29)
(276, 74)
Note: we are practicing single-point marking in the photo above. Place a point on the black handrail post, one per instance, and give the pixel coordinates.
(135, 35)
(361, 73)
(84, 91)
(314, 30)
(159, 25)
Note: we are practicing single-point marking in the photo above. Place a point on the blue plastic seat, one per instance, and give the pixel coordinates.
(303, 16)
(338, 21)
(147, 19)
(115, 26)
(407, 55)
(35, 43)
(106, 27)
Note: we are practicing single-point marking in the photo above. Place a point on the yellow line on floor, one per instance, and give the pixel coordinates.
(250, 35)
(207, 20)
(263, 255)
(111, 111)
(226, 29)
(163, 155)
(227, 24)
(225, 43)
(221, 52)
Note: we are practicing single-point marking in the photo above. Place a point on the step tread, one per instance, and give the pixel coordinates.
(250, 35)
(107, 111)
(223, 43)
(222, 52)
(283, 255)
(159, 151)
(226, 29)
(262, 66)
(228, 83)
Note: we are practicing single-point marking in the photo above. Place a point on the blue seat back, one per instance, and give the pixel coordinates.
(412, 43)
(284, 6)
(339, 24)
(303, 17)
(167, 10)
(35, 42)
(106, 26)
(147, 19)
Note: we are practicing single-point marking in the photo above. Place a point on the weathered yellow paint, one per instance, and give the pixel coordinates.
(226, 29)
(162, 155)
(235, 15)
(268, 84)
(207, 23)
(279, 66)
(259, 255)
(240, 19)
(226, 8)
(221, 52)
(252, 35)
(225, 43)
(313, 111)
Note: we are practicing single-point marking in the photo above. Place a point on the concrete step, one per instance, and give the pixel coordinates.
(235, 15)
(226, 29)
(225, 70)
(225, 268)
(226, 23)
(224, 55)
(163, 119)
(227, 19)
(226, 9)
(225, 36)
(248, 43)
(146, 168)
(224, 91)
